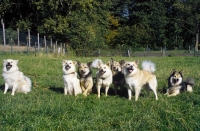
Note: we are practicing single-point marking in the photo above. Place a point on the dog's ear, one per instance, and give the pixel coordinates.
(137, 62)
(15, 61)
(108, 63)
(4, 61)
(64, 61)
(78, 62)
(89, 63)
(122, 62)
(75, 62)
(181, 72)
(112, 60)
(173, 71)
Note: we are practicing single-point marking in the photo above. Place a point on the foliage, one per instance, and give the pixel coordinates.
(96, 24)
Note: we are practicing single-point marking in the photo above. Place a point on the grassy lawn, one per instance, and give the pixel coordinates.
(46, 108)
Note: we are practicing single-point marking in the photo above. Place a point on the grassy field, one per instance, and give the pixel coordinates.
(46, 108)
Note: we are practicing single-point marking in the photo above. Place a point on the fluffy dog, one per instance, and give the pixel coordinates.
(86, 80)
(71, 82)
(14, 79)
(136, 78)
(176, 85)
(103, 75)
(118, 76)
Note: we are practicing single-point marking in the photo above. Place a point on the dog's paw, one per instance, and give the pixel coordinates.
(85, 93)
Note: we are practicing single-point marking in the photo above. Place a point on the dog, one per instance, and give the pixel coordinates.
(176, 85)
(118, 76)
(103, 75)
(71, 81)
(136, 78)
(86, 80)
(15, 79)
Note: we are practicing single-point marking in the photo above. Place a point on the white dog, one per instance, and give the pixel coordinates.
(103, 75)
(71, 82)
(14, 79)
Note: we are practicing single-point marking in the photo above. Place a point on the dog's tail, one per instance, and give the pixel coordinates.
(95, 63)
(149, 66)
(190, 81)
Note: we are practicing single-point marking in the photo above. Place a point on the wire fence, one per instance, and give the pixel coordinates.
(14, 41)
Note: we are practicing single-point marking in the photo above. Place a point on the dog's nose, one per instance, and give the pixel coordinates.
(8, 63)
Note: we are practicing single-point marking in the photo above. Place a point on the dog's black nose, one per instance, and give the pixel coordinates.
(8, 63)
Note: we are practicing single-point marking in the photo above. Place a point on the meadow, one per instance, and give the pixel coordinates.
(46, 108)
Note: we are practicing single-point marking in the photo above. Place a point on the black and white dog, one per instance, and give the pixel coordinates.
(176, 85)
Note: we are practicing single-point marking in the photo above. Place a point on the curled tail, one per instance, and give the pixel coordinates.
(28, 88)
(95, 63)
(190, 81)
(149, 66)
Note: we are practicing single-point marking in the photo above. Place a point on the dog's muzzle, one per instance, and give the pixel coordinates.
(130, 69)
(67, 67)
(102, 71)
(82, 72)
(8, 66)
(115, 68)
(175, 80)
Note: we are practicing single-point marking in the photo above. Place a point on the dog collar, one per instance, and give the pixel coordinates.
(71, 73)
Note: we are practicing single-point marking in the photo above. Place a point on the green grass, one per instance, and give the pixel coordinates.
(46, 108)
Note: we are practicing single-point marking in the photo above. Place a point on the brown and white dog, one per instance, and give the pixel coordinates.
(86, 80)
(136, 78)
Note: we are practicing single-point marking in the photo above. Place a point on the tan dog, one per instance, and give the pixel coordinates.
(71, 82)
(86, 80)
(118, 76)
(103, 75)
(136, 78)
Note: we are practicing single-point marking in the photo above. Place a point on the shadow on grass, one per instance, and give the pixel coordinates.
(59, 90)
(2, 87)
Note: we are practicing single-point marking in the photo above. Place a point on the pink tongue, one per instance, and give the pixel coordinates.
(130, 70)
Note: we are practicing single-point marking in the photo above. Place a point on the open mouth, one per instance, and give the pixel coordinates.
(102, 71)
(67, 67)
(130, 70)
(8, 66)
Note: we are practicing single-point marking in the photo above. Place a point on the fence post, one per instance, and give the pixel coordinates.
(4, 36)
(18, 39)
(29, 38)
(38, 42)
(51, 44)
(11, 45)
(45, 44)
(128, 53)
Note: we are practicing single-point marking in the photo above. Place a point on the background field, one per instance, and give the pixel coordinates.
(46, 108)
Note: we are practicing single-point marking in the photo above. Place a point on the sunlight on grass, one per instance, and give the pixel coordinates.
(46, 108)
